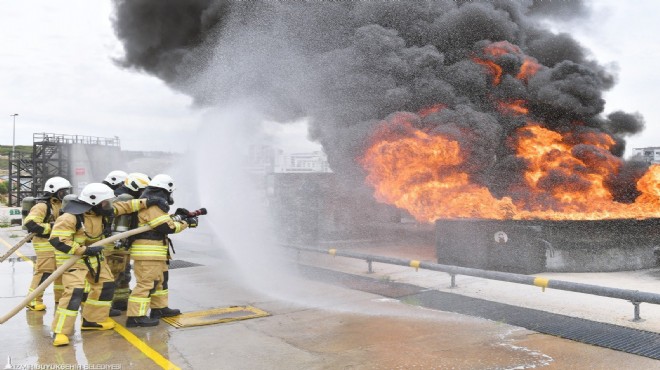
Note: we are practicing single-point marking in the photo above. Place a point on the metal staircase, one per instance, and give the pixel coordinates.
(50, 157)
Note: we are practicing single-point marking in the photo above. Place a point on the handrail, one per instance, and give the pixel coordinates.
(634, 296)
(43, 137)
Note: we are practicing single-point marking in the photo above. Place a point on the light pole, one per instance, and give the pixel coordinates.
(13, 141)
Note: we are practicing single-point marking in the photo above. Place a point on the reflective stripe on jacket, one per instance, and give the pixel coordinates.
(38, 214)
(69, 240)
(162, 224)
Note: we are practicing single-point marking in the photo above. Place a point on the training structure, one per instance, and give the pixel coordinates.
(69, 156)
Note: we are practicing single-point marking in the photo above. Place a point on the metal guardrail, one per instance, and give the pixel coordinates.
(633, 296)
(41, 137)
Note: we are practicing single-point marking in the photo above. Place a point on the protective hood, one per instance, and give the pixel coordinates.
(103, 211)
(154, 192)
(76, 207)
(124, 190)
(44, 197)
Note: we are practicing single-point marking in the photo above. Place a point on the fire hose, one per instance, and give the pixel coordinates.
(69, 263)
(181, 214)
(15, 248)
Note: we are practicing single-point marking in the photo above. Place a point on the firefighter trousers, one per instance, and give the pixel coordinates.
(43, 268)
(119, 263)
(99, 299)
(150, 290)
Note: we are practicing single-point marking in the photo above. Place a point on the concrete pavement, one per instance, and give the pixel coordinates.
(313, 325)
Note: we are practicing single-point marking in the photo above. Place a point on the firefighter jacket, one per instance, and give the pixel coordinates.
(153, 245)
(38, 221)
(72, 233)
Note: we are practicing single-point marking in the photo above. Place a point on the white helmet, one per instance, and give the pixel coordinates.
(95, 193)
(115, 177)
(136, 181)
(163, 181)
(56, 183)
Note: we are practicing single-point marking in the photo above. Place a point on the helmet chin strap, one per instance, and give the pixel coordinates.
(62, 192)
(100, 210)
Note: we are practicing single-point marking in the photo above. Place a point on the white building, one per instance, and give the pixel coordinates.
(649, 154)
(265, 159)
(302, 162)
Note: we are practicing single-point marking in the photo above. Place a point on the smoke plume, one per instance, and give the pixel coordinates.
(348, 66)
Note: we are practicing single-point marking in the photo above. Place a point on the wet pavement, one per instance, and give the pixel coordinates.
(318, 324)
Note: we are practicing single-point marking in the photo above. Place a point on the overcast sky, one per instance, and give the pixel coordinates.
(56, 72)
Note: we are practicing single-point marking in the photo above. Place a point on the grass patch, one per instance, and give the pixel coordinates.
(413, 301)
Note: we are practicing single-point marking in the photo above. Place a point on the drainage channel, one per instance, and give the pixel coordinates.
(619, 338)
(178, 264)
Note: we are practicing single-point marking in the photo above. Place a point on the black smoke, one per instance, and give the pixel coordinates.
(348, 65)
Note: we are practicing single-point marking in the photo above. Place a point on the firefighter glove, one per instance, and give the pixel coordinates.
(107, 226)
(182, 211)
(192, 221)
(161, 203)
(93, 251)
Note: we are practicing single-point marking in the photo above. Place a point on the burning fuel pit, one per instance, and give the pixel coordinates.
(532, 246)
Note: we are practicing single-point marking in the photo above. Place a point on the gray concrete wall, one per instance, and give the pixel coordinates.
(531, 246)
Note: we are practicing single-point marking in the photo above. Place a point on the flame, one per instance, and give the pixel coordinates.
(553, 168)
(565, 176)
(432, 109)
(514, 107)
(494, 69)
(500, 48)
(528, 69)
(420, 172)
(649, 186)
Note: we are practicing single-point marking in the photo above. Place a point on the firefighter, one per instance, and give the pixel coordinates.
(115, 179)
(134, 184)
(118, 255)
(150, 255)
(39, 221)
(79, 226)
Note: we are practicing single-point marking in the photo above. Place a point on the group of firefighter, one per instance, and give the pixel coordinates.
(98, 282)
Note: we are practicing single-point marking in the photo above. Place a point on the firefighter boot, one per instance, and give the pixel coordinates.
(114, 312)
(120, 305)
(157, 313)
(135, 321)
(60, 339)
(103, 325)
(36, 307)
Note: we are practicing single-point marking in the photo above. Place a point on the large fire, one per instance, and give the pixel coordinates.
(565, 177)
(421, 173)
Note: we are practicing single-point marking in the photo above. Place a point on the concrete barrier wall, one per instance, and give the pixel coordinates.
(531, 246)
(10, 216)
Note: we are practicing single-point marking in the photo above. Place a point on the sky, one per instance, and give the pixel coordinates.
(623, 34)
(57, 72)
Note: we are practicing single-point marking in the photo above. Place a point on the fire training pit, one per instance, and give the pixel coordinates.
(532, 246)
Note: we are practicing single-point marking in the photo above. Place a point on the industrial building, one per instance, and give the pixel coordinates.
(649, 154)
(80, 159)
